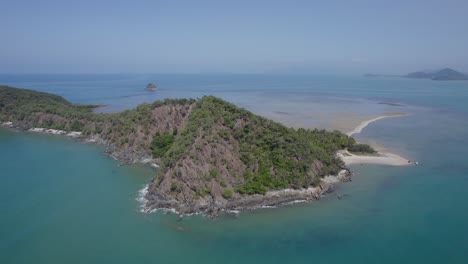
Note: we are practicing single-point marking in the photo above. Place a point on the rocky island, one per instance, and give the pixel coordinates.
(212, 156)
(151, 87)
(445, 74)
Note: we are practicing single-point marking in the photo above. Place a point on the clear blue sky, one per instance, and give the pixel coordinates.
(315, 37)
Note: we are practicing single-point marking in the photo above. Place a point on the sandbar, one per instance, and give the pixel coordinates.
(365, 123)
(382, 158)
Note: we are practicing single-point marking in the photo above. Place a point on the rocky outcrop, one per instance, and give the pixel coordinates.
(155, 200)
(151, 87)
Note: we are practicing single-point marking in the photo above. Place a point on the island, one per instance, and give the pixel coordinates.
(212, 156)
(151, 87)
(445, 74)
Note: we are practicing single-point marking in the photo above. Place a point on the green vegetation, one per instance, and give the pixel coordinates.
(275, 156)
(228, 193)
(205, 192)
(213, 173)
(272, 156)
(440, 75)
(21, 105)
(316, 182)
(37, 109)
(361, 148)
(161, 143)
(175, 187)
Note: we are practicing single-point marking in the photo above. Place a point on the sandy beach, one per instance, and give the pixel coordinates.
(382, 158)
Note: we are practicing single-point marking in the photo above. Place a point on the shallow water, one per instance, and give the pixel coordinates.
(65, 202)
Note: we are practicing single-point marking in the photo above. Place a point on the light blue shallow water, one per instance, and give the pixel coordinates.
(65, 202)
(126, 91)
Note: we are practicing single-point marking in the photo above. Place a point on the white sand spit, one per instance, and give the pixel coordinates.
(364, 124)
(382, 158)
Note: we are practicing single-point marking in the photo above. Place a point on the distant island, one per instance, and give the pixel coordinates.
(212, 155)
(151, 87)
(446, 74)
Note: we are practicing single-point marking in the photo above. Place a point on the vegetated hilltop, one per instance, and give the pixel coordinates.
(211, 152)
(446, 74)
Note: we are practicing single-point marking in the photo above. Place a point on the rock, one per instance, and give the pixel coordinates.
(8, 124)
(74, 134)
(151, 87)
(37, 129)
(344, 176)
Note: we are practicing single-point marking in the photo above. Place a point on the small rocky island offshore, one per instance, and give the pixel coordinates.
(151, 87)
(213, 155)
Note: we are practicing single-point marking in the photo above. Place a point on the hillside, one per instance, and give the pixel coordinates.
(446, 74)
(212, 154)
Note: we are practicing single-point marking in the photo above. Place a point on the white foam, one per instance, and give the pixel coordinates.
(143, 209)
(175, 212)
(143, 201)
(295, 202)
(267, 206)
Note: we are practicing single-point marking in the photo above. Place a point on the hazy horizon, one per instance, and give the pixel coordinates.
(210, 37)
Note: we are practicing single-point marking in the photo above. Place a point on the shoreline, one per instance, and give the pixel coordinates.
(272, 199)
(152, 202)
(382, 158)
(123, 156)
(365, 123)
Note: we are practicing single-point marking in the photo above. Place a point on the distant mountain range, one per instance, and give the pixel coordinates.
(446, 74)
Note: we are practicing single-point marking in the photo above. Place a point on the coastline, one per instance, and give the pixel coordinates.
(365, 123)
(152, 201)
(125, 157)
(271, 199)
(381, 157)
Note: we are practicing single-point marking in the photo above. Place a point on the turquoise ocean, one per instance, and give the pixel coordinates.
(62, 201)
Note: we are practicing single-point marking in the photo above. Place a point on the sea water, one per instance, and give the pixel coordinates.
(62, 201)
